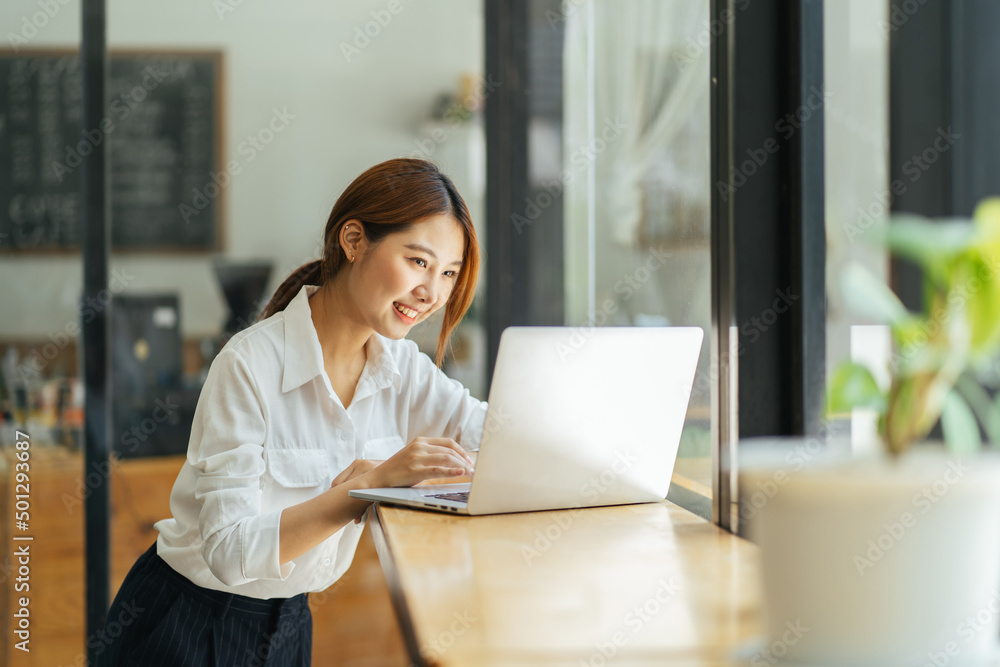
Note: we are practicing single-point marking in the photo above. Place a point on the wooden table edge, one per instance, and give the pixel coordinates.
(403, 617)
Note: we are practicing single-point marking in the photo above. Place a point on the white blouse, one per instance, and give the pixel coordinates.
(269, 432)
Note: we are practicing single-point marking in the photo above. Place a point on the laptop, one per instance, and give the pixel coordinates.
(578, 417)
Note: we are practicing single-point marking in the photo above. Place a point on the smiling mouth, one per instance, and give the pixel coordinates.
(408, 312)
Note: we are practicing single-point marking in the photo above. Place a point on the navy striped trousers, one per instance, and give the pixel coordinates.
(159, 617)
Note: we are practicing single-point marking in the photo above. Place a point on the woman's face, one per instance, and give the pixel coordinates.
(409, 275)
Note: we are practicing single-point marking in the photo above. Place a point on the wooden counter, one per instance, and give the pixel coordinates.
(646, 584)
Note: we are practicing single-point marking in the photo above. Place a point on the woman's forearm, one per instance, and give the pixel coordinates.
(309, 523)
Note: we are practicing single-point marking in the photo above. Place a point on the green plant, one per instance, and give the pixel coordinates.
(936, 351)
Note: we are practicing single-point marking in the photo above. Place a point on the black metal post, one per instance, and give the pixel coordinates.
(808, 216)
(508, 282)
(95, 315)
(776, 191)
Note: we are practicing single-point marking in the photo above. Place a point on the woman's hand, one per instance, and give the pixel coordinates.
(357, 467)
(424, 458)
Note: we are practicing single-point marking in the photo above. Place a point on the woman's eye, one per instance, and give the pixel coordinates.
(451, 274)
(420, 262)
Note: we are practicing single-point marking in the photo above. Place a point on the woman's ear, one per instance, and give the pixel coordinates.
(352, 239)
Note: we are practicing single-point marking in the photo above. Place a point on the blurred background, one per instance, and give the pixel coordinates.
(234, 126)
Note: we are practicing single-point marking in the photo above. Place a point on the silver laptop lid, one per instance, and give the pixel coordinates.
(581, 417)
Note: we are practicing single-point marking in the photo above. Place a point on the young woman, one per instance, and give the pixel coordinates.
(322, 395)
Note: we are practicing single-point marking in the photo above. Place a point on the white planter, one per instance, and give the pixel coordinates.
(879, 562)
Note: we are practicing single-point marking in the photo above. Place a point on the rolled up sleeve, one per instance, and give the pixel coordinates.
(441, 406)
(240, 542)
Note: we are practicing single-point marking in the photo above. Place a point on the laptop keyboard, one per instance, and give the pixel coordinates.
(459, 496)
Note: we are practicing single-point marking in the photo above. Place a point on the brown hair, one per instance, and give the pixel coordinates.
(386, 199)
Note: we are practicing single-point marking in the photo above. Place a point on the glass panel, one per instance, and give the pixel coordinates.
(856, 69)
(637, 152)
(41, 394)
(304, 97)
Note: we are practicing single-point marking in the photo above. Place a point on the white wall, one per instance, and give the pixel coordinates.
(349, 115)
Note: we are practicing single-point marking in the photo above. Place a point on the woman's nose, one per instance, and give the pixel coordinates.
(426, 291)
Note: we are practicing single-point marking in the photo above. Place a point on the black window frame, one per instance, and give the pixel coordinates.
(768, 237)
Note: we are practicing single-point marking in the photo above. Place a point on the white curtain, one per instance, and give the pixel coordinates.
(650, 69)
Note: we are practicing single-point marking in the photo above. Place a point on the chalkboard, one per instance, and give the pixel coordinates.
(162, 127)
